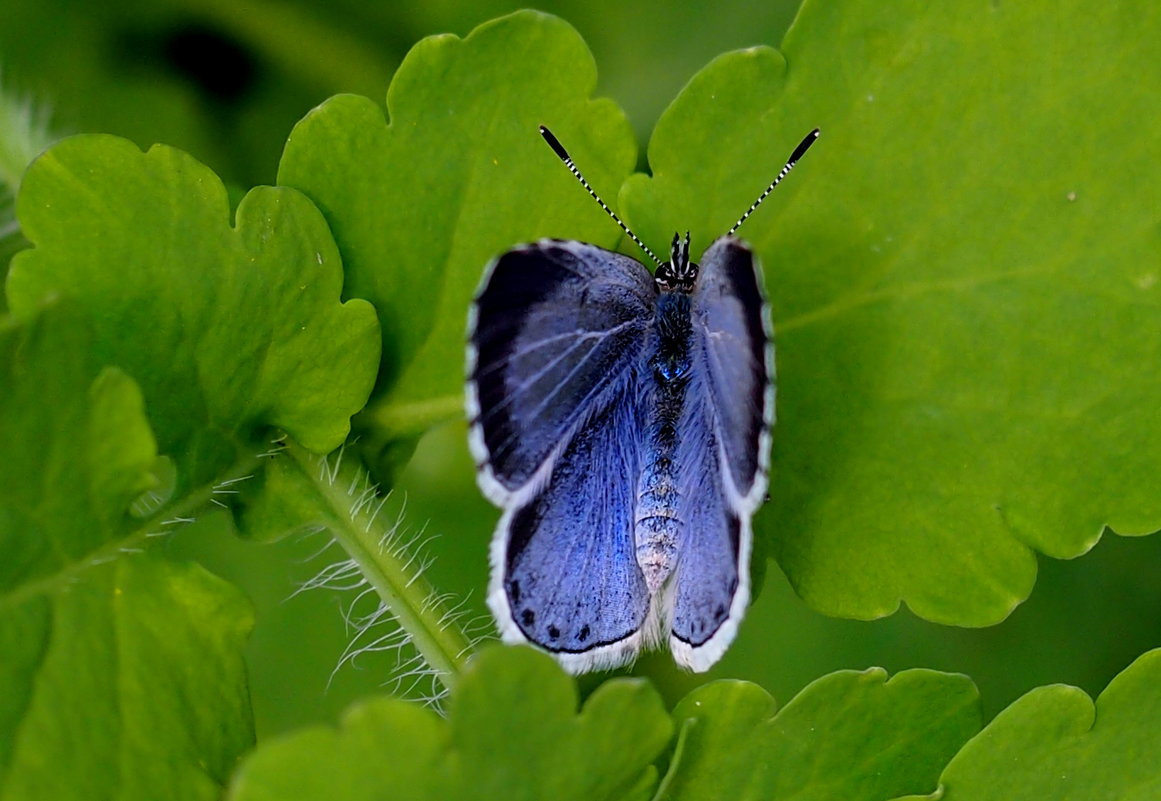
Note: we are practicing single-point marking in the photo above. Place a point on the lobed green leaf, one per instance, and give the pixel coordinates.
(77, 447)
(229, 330)
(421, 202)
(849, 735)
(1056, 743)
(512, 731)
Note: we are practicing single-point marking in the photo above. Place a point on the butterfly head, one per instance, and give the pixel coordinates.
(679, 274)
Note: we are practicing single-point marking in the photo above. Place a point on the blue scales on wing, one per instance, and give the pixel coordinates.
(555, 350)
(724, 452)
(570, 576)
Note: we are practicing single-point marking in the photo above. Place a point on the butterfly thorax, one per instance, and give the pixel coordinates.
(657, 529)
(670, 359)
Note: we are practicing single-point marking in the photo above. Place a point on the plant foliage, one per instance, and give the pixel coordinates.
(964, 277)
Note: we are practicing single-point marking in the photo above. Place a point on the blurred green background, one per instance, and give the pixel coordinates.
(226, 81)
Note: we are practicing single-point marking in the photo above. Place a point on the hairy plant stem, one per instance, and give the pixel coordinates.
(395, 576)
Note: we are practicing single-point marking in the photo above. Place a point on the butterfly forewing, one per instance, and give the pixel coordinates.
(554, 328)
(732, 327)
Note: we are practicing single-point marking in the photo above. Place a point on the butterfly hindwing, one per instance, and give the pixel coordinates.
(554, 328)
(564, 573)
(708, 580)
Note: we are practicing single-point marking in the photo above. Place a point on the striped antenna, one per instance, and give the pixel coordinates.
(803, 146)
(558, 148)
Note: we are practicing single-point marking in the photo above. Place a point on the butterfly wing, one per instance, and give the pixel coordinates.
(724, 453)
(553, 331)
(732, 325)
(555, 351)
(564, 567)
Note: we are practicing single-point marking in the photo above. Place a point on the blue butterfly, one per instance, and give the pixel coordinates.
(622, 422)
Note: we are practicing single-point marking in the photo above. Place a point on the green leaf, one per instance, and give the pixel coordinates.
(77, 447)
(122, 676)
(848, 735)
(512, 732)
(964, 278)
(128, 683)
(419, 206)
(1055, 743)
(228, 329)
